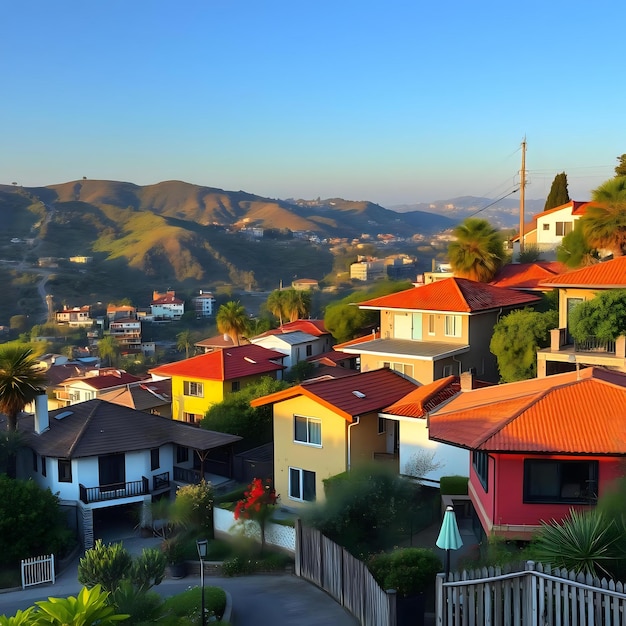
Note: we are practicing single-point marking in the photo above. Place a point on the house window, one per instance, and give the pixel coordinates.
(382, 425)
(301, 485)
(453, 326)
(309, 350)
(65, 471)
(402, 368)
(235, 385)
(431, 324)
(35, 462)
(182, 454)
(546, 226)
(44, 469)
(308, 430)
(480, 463)
(446, 370)
(191, 418)
(191, 388)
(562, 228)
(155, 462)
(571, 482)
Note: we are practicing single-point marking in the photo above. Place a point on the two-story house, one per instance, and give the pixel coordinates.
(78, 316)
(206, 379)
(93, 385)
(166, 306)
(440, 329)
(127, 332)
(575, 287)
(120, 311)
(326, 427)
(96, 455)
(204, 304)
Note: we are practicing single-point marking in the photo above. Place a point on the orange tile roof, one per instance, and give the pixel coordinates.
(354, 342)
(527, 275)
(374, 389)
(312, 327)
(575, 413)
(606, 275)
(226, 364)
(452, 294)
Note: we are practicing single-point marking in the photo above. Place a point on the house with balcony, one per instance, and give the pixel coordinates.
(166, 306)
(92, 385)
(206, 379)
(75, 317)
(327, 426)
(575, 287)
(97, 455)
(204, 304)
(537, 447)
(437, 330)
(127, 332)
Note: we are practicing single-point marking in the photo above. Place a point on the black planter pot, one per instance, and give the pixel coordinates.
(177, 570)
(410, 610)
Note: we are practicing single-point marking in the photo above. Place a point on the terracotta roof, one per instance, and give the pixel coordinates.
(167, 300)
(96, 428)
(578, 208)
(459, 295)
(226, 364)
(219, 342)
(331, 358)
(527, 275)
(349, 396)
(142, 396)
(574, 413)
(355, 342)
(312, 327)
(606, 275)
(105, 380)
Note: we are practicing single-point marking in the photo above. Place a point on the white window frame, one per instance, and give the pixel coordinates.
(193, 389)
(453, 326)
(300, 484)
(309, 421)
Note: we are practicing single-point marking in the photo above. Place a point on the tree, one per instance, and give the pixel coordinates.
(604, 222)
(20, 382)
(184, 341)
(108, 349)
(620, 169)
(516, 339)
(297, 304)
(603, 317)
(574, 251)
(257, 505)
(478, 251)
(276, 304)
(232, 320)
(558, 192)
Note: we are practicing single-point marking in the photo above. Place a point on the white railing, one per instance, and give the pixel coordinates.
(37, 570)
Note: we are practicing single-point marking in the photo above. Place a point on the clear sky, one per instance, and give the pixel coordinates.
(389, 101)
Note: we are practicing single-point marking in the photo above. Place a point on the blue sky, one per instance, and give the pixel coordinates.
(393, 102)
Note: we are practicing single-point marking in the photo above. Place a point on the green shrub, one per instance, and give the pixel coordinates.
(106, 565)
(186, 605)
(140, 604)
(453, 485)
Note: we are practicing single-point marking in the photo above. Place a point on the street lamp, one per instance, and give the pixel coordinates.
(449, 536)
(202, 545)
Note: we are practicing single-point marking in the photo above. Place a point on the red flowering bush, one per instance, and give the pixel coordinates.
(257, 504)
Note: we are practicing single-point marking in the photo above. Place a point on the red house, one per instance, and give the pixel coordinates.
(538, 447)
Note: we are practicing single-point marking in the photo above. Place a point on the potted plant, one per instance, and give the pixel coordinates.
(411, 572)
(173, 548)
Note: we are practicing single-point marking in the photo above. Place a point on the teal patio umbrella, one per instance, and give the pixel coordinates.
(449, 536)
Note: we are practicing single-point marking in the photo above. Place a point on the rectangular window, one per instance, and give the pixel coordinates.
(235, 386)
(480, 463)
(191, 388)
(446, 371)
(191, 418)
(431, 324)
(382, 425)
(570, 482)
(155, 462)
(35, 462)
(309, 350)
(301, 485)
(546, 226)
(44, 469)
(65, 471)
(182, 454)
(563, 228)
(308, 430)
(453, 326)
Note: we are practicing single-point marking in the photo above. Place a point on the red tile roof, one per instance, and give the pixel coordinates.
(348, 396)
(452, 294)
(606, 275)
(105, 379)
(311, 327)
(167, 300)
(575, 413)
(226, 364)
(527, 275)
(354, 342)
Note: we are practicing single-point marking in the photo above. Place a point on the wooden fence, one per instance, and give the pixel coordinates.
(37, 570)
(535, 596)
(346, 579)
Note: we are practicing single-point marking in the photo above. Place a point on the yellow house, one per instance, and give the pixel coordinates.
(204, 380)
(576, 287)
(436, 330)
(325, 427)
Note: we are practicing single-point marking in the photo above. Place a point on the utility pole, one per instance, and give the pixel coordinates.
(521, 197)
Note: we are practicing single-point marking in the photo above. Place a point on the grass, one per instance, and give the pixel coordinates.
(184, 608)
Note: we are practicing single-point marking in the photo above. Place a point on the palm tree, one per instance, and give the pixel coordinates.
(232, 320)
(184, 341)
(20, 382)
(297, 303)
(276, 304)
(604, 223)
(478, 252)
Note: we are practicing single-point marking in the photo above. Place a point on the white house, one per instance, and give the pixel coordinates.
(296, 345)
(127, 333)
(204, 304)
(97, 455)
(166, 306)
(93, 384)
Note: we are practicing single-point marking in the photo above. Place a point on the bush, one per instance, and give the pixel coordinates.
(106, 565)
(453, 485)
(193, 509)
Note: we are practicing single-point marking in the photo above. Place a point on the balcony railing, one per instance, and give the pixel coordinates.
(593, 344)
(185, 475)
(114, 491)
(160, 481)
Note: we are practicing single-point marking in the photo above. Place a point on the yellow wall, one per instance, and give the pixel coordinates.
(387, 330)
(565, 294)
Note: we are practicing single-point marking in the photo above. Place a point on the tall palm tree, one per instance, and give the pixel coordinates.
(232, 320)
(604, 223)
(297, 303)
(20, 382)
(276, 304)
(478, 251)
(184, 341)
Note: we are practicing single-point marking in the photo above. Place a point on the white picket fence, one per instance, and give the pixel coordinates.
(37, 570)
(536, 596)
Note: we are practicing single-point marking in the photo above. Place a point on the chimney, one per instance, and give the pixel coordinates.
(467, 381)
(42, 421)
